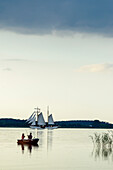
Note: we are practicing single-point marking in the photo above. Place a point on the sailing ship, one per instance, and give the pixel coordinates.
(36, 120)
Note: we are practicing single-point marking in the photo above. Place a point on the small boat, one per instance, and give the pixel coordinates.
(28, 141)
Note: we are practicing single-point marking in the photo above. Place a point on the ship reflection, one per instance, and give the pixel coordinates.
(49, 139)
(40, 135)
(28, 146)
(102, 152)
(46, 138)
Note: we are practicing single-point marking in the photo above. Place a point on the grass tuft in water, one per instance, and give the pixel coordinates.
(103, 143)
(103, 139)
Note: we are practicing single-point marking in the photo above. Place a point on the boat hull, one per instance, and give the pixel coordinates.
(51, 127)
(46, 127)
(37, 127)
(28, 141)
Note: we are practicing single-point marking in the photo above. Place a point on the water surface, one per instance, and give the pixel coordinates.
(59, 149)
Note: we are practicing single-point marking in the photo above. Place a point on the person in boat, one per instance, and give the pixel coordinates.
(30, 136)
(23, 136)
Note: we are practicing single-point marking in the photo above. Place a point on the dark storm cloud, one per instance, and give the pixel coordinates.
(44, 16)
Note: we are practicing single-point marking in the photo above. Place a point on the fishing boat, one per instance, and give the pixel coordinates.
(50, 121)
(36, 120)
(28, 141)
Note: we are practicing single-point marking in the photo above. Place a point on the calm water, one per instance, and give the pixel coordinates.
(60, 149)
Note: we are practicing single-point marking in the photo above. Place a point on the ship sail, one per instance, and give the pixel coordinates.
(41, 121)
(34, 122)
(30, 118)
(50, 120)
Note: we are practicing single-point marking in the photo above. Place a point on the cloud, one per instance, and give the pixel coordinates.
(7, 69)
(45, 16)
(16, 60)
(96, 68)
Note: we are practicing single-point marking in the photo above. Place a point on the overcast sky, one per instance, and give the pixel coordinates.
(57, 53)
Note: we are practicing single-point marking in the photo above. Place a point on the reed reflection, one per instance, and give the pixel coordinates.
(102, 152)
(103, 145)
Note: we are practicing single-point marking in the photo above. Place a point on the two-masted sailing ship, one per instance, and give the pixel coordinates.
(36, 120)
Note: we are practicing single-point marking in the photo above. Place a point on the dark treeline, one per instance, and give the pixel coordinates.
(84, 124)
(6, 122)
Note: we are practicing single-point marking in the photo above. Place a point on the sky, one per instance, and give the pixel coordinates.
(57, 53)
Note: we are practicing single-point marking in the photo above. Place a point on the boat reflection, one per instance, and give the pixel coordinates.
(102, 152)
(49, 139)
(40, 135)
(46, 138)
(28, 146)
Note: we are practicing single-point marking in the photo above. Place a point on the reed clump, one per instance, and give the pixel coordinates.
(103, 144)
(104, 139)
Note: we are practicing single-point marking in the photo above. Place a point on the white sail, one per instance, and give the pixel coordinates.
(30, 118)
(50, 120)
(34, 122)
(41, 121)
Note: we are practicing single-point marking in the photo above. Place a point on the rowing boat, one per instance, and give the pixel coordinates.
(28, 141)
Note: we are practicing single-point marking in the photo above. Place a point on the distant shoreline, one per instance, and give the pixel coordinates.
(89, 124)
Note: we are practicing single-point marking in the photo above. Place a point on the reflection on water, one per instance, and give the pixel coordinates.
(27, 146)
(49, 139)
(43, 138)
(103, 145)
(40, 135)
(105, 153)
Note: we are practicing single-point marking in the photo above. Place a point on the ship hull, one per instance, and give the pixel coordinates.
(51, 127)
(37, 127)
(28, 141)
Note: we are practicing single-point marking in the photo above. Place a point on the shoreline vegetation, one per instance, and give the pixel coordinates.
(10, 122)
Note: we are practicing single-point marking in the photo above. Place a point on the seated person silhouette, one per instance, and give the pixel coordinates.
(30, 136)
(23, 136)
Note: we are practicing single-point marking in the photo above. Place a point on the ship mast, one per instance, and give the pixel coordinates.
(37, 111)
(47, 114)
